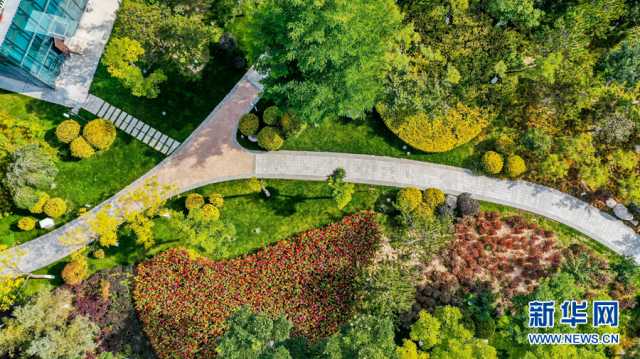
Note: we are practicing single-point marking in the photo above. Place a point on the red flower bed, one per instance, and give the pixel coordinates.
(183, 302)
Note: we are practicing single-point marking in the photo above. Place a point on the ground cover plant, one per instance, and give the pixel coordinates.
(184, 301)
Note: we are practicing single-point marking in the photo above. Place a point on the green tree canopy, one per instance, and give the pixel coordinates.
(323, 58)
(366, 336)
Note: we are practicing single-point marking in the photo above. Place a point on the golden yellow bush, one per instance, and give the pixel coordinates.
(80, 148)
(39, 206)
(9, 291)
(99, 253)
(433, 197)
(194, 200)
(100, 133)
(68, 131)
(458, 126)
(515, 166)
(408, 199)
(27, 224)
(75, 272)
(492, 162)
(216, 199)
(105, 226)
(210, 212)
(55, 207)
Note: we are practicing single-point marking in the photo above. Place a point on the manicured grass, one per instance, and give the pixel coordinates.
(80, 183)
(185, 104)
(370, 136)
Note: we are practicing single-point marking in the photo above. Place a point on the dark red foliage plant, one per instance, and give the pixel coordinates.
(184, 300)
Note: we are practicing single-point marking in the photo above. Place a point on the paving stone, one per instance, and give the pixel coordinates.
(105, 107)
(109, 112)
(124, 123)
(120, 118)
(114, 115)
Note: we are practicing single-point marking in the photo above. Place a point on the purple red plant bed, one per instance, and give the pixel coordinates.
(183, 301)
(505, 255)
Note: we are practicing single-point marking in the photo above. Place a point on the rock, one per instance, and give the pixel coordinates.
(452, 201)
(635, 223)
(47, 223)
(253, 139)
(611, 202)
(637, 147)
(494, 80)
(404, 147)
(622, 212)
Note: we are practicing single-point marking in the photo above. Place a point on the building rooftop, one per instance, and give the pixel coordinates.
(8, 12)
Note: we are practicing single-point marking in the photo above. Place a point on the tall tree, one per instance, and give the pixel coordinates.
(323, 58)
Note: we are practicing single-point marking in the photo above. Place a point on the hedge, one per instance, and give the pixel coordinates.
(193, 201)
(55, 207)
(271, 116)
(515, 166)
(68, 131)
(80, 148)
(458, 126)
(492, 162)
(26, 223)
(249, 124)
(408, 199)
(270, 139)
(100, 133)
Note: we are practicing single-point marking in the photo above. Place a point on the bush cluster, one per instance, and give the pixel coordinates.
(27, 224)
(492, 162)
(279, 280)
(80, 148)
(55, 207)
(100, 133)
(249, 124)
(68, 131)
(270, 138)
(418, 205)
(458, 126)
(193, 201)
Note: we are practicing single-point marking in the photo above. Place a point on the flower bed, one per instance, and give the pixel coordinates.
(184, 301)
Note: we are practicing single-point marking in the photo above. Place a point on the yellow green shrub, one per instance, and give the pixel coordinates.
(55, 207)
(80, 148)
(194, 200)
(271, 116)
(249, 124)
(515, 166)
(75, 272)
(99, 253)
(492, 162)
(142, 227)
(68, 131)
(210, 212)
(27, 224)
(291, 125)
(408, 199)
(9, 288)
(216, 199)
(433, 197)
(100, 133)
(270, 139)
(38, 207)
(105, 226)
(458, 126)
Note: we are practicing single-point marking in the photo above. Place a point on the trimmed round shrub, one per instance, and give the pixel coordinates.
(271, 116)
(492, 162)
(216, 199)
(442, 133)
(254, 185)
(39, 206)
(68, 131)
(80, 148)
(210, 212)
(408, 199)
(434, 197)
(55, 207)
(515, 166)
(74, 272)
(270, 139)
(100, 133)
(27, 224)
(99, 253)
(193, 201)
(467, 206)
(291, 125)
(249, 124)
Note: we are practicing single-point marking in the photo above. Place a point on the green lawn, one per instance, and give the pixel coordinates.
(80, 183)
(371, 136)
(185, 104)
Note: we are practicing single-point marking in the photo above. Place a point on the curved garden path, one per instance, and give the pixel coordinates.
(211, 154)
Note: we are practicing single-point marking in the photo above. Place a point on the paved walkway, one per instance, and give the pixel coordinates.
(131, 125)
(211, 154)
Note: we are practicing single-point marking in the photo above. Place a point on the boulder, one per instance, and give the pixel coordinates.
(611, 202)
(622, 212)
(451, 201)
(47, 223)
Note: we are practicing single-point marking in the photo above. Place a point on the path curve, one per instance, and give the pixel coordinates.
(211, 154)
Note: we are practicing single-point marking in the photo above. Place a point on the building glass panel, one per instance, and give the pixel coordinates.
(28, 52)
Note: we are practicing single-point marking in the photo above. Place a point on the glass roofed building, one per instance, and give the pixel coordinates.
(32, 35)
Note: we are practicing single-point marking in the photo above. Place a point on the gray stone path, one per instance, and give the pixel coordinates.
(211, 154)
(131, 125)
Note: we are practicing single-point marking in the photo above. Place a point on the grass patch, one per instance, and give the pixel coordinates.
(185, 104)
(371, 137)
